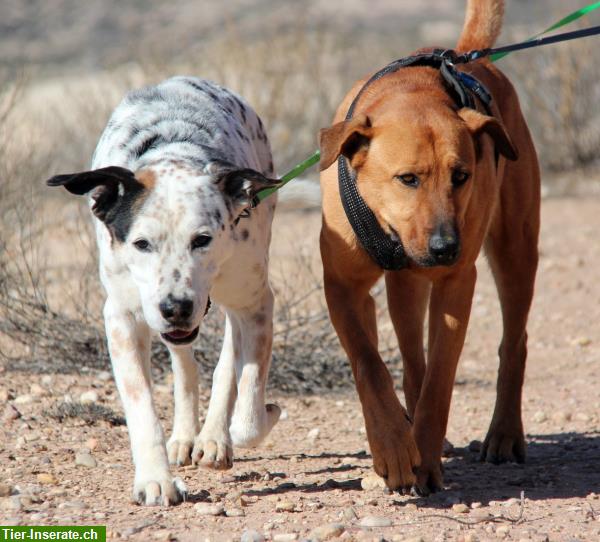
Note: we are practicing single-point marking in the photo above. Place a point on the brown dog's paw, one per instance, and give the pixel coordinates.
(429, 480)
(395, 456)
(503, 445)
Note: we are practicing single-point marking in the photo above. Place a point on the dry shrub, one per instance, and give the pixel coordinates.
(559, 89)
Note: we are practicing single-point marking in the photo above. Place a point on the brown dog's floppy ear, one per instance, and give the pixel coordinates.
(479, 123)
(106, 186)
(346, 138)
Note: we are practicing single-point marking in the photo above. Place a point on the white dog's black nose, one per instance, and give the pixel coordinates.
(176, 310)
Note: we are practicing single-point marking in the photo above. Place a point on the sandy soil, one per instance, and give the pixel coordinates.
(311, 470)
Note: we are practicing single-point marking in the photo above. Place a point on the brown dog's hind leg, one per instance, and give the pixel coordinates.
(513, 255)
(408, 295)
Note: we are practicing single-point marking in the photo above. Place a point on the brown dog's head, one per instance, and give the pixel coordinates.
(415, 160)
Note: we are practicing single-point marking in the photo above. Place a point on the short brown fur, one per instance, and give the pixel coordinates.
(407, 123)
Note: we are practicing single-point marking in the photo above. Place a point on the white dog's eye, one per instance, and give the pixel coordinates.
(143, 245)
(200, 241)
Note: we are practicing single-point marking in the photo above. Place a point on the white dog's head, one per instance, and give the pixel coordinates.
(172, 226)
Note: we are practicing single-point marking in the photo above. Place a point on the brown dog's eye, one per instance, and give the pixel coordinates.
(409, 179)
(459, 178)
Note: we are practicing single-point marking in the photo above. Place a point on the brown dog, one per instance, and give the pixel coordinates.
(446, 181)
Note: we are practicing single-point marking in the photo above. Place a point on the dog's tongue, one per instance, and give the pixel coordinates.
(179, 334)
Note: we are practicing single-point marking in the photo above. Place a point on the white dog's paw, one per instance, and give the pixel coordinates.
(248, 434)
(164, 491)
(213, 453)
(179, 451)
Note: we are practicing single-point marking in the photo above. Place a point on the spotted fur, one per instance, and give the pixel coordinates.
(194, 154)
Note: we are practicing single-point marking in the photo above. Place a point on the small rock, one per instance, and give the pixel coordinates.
(31, 437)
(460, 508)
(23, 399)
(285, 537)
(104, 376)
(375, 521)
(475, 446)
(90, 396)
(581, 341)
(284, 415)
(10, 413)
(326, 532)
(372, 481)
(209, 509)
(502, 530)
(401, 538)
(91, 444)
(234, 513)
(252, 536)
(5, 490)
(285, 506)
(37, 390)
(540, 417)
(85, 460)
(313, 434)
(5, 395)
(73, 505)
(475, 505)
(349, 514)
(12, 504)
(47, 479)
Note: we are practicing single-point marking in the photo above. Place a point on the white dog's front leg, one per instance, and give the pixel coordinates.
(129, 346)
(185, 419)
(252, 419)
(212, 447)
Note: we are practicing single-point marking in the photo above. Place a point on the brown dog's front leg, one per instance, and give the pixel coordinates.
(449, 311)
(392, 445)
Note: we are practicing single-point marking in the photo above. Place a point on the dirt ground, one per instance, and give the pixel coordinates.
(310, 472)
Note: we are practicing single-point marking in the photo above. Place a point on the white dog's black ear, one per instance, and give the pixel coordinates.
(113, 191)
(240, 185)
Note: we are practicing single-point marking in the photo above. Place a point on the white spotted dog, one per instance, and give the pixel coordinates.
(172, 187)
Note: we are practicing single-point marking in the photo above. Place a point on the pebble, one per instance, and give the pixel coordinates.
(39, 391)
(475, 446)
(475, 505)
(284, 537)
(13, 504)
(104, 376)
(540, 417)
(252, 536)
(85, 460)
(349, 514)
(5, 490)
(47, 479)
(23, 399)
(284, 415)
(285, 506)
(208, 509)
(5, 395)
(375, 521)
(401, 538)
(90, 396)
(77, 505)
(234, 513)
(326, 532)
(91, 443)
(372, 481)
(502, 530)
(460, 508)
(313, 433)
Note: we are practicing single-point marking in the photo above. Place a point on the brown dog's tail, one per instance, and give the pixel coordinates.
(483, 23)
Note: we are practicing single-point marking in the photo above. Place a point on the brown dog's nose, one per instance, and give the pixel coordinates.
(444, 244)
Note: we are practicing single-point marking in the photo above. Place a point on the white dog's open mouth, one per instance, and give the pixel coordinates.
(181, 336)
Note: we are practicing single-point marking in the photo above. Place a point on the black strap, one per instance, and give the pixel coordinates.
(386, 249)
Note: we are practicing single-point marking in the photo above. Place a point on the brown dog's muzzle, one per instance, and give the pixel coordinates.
(444, 244)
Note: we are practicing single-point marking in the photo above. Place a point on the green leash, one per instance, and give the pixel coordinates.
(314, 158)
